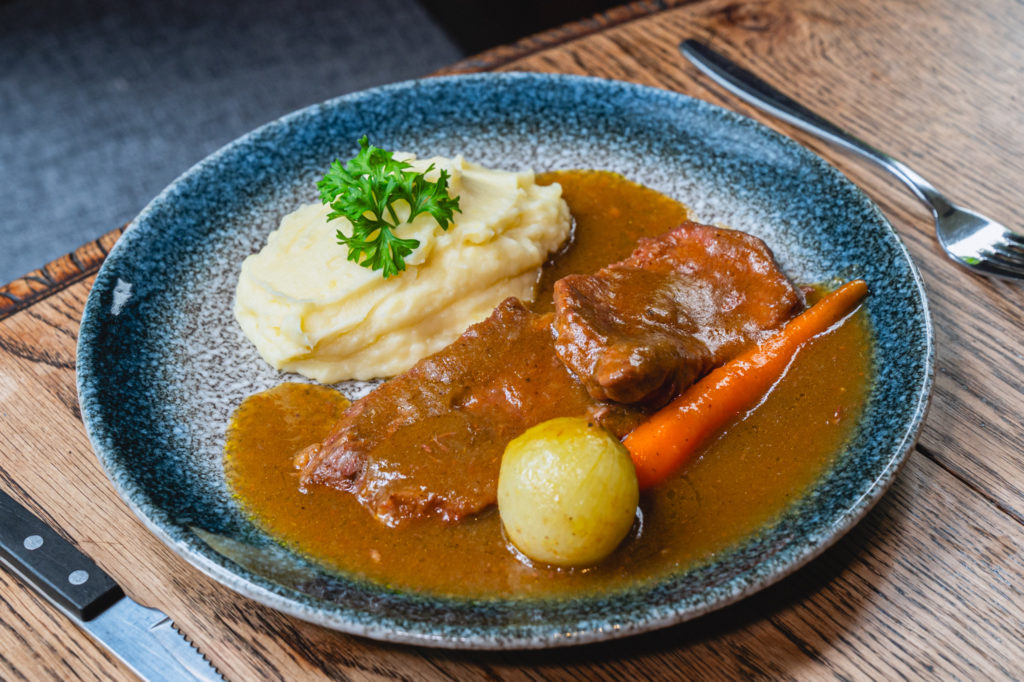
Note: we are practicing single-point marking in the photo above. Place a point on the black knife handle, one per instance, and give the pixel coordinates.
(51, 564)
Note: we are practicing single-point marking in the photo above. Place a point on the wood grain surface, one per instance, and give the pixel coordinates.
(52, 277)
(928, 586)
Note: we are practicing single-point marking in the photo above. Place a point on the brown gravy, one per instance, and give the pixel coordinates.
(741, 481)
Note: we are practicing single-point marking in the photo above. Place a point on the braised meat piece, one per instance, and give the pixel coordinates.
(644, 329)
(429, 442)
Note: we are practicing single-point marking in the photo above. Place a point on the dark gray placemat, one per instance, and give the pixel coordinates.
(104, 102)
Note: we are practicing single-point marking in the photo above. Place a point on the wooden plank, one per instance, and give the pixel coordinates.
(929, 585)
(925, 583)
(54, 276)
(502, 55)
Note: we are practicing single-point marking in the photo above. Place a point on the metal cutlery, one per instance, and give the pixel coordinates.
(144, 638)
(969, 238)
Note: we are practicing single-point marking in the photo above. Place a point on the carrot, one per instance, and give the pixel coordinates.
(672, 435)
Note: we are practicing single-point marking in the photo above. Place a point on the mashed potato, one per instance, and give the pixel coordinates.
(310, 310)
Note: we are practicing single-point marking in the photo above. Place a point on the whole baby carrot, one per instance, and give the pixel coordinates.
(666, 441)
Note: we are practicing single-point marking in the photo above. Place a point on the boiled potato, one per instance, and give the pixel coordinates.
(567, 492)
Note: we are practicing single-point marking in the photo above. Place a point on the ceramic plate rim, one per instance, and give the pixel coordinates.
(244, 582)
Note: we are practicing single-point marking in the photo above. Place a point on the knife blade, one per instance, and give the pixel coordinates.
(144, 638)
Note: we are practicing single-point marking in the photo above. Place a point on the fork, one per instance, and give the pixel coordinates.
(969, 238)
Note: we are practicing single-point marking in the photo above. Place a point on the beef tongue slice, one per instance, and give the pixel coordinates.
(644, 329)
(429, 442)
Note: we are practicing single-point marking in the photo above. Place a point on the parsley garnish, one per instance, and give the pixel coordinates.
(365, 190)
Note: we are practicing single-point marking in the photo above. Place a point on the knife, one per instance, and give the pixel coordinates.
(144, 638)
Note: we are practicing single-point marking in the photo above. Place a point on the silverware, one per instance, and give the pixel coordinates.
(969, 238)
(144, 638)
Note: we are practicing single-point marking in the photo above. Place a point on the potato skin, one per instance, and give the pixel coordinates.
(567, 492)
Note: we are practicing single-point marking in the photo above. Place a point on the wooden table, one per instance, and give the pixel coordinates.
(930, 584)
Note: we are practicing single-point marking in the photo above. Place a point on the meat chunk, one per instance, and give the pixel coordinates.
(645, 328)
(429, 442)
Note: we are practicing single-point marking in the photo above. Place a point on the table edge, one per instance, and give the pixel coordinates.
(56, 275)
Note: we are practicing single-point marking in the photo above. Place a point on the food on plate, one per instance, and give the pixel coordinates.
(309, 309)
(503, 375)
(567, 492)
(418, 460)
(663, 443)
(645, 328)
(429, 441)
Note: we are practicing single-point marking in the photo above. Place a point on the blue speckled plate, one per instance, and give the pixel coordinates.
(162, 364)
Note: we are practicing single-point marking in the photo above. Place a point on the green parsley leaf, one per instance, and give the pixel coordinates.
(365, 191)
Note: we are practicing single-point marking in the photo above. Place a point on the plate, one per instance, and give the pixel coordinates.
(162, 363)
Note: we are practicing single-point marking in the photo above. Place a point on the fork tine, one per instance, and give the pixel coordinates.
(1008, 252)
(992, 266)
(1010, 248)
(1014, 241)
(1014, 238)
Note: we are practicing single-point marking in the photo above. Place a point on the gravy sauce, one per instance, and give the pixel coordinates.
(740, 482)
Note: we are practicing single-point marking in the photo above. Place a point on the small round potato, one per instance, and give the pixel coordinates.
(567, 492)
